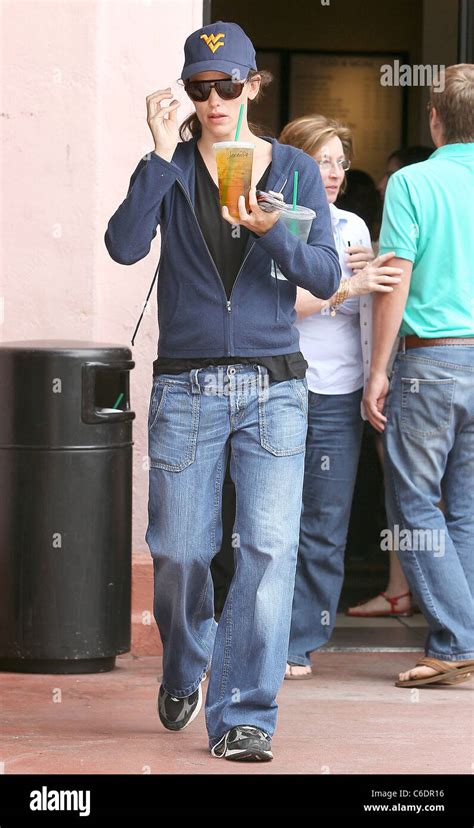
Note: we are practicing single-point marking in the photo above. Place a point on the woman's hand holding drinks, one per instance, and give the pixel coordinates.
(257, 220)
(375, 277)
(164, 129)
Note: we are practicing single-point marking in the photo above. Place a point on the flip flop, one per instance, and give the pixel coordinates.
(456, 679)
(291, 677)
(444, 675)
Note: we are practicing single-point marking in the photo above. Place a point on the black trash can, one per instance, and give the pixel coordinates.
(65, 505)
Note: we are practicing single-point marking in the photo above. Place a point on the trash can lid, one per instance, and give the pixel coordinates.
(61, 345)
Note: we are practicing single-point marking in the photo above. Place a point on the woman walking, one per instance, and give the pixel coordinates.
(229, 372)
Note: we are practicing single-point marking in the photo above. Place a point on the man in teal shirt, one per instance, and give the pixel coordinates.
(427, 410)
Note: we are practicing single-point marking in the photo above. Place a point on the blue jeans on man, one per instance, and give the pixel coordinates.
(429, 455)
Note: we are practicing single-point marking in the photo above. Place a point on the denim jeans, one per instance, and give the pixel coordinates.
(192, 417)
(332, 454)
(429, 453)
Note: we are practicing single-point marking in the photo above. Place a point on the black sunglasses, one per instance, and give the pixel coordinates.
(226, 88)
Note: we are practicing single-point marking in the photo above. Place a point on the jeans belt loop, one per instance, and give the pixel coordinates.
(260, 380)
(403, 345)
(193, 378)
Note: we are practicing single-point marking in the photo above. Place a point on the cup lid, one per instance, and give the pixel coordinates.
(223, 144)
(300, 213)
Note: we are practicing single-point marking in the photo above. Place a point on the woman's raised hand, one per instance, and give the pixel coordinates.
(163, 122)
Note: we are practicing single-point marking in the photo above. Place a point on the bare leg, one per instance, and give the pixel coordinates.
(397, 585)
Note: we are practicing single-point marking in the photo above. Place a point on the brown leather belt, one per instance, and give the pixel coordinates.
(413, 341)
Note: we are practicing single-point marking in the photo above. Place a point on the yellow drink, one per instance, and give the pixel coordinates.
(234, 169)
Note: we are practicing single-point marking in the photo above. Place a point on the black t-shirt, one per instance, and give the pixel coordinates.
(227, 250)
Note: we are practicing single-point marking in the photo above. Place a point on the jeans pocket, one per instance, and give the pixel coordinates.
(283, 417)
(156, 396)
(301, 389)
(173, 424)
(427, 405)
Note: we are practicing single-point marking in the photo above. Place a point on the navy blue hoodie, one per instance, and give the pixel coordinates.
(195, 318)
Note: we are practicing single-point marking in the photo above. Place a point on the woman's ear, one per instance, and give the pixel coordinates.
(254, 86)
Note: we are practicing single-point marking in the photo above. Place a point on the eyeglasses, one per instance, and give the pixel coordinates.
(326, 164)
(226, 88)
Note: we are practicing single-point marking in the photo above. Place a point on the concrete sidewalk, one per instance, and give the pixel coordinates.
(350, 718)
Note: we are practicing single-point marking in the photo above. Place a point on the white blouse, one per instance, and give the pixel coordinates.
(337, 348)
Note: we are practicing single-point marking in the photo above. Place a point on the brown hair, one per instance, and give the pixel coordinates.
(192, 125)
(310, 132)
(455, 104)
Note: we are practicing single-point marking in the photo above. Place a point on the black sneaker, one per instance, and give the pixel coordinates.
(176, 714)
(245, 743)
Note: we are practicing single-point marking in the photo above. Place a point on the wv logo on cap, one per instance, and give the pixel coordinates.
(212, 41)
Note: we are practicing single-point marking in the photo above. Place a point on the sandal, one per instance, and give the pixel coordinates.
(445, 674)
(290, 675)
(381, 613)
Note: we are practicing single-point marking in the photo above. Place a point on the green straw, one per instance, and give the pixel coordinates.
(295, 189)
(118, 400)
(239, 122)
(294, 224)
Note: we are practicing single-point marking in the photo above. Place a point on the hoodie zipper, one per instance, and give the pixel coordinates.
(228, 301)
(228, 305)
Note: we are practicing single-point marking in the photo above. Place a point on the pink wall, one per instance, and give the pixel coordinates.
(75, 76)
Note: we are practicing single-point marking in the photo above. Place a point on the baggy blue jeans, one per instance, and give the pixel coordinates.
(192, 417)
(429, 453)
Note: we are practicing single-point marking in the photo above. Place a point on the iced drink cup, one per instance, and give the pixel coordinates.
(298, 221)
(234, 169)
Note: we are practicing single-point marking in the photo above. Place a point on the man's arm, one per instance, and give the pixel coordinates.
(387, 316)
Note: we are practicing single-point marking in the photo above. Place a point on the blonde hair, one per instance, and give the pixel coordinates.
(310, 132)
(455, 103)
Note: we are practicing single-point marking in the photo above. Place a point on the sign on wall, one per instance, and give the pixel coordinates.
(346, 87)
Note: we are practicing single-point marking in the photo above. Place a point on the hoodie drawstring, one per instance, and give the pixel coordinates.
(162, 250)
(277, 289)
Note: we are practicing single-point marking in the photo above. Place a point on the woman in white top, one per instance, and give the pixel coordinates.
(335, 339)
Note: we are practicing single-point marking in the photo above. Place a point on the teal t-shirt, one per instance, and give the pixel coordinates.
(428, 218)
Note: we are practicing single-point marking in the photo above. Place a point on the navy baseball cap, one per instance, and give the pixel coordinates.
(221, 46)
